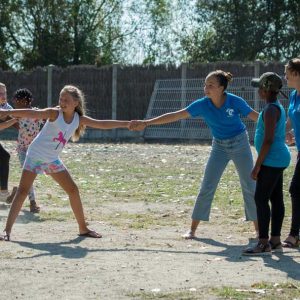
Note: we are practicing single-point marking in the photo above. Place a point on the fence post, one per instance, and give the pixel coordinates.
(114, 96)
(183, 84)
(49, 85)
(183, 95)
(256, 75)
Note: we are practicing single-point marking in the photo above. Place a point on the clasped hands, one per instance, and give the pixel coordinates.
(137, 125)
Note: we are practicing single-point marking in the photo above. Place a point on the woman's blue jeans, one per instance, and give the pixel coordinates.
(238, 150)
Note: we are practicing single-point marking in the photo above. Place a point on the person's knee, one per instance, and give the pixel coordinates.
(260, 200)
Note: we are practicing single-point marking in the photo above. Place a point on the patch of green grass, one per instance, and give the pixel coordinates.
(140, 220)
(56, 215)
(262, 290)
(149, 173)
(182, 295)
(232, 293)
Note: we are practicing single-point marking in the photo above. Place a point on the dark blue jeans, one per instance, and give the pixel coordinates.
(295, 196)
(269, 188)
(4, 168)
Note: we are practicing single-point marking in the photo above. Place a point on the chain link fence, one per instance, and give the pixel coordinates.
(175, 94)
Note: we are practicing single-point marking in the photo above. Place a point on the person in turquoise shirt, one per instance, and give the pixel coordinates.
(222, 113)
(292, 74)
(273, 157)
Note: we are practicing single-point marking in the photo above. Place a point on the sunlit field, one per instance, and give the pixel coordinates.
(148, 187)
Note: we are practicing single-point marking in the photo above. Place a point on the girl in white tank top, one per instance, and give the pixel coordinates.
(63, 122)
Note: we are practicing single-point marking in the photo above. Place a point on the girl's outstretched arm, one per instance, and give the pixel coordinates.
(8, 123)
(103, 124)
(47, 113)
(162, 119)
(168, 118)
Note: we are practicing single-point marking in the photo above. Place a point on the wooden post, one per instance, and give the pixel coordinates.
(256, 75)
(183, 95)
(49, 85)
(114, 96)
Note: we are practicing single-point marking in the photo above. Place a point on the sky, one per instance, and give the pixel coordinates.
(181, 21)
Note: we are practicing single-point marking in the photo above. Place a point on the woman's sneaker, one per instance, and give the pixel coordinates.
(189, 235)
(259, 250)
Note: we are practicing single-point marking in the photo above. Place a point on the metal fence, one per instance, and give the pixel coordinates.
(176, 94)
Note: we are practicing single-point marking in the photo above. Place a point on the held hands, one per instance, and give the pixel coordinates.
(137, 125)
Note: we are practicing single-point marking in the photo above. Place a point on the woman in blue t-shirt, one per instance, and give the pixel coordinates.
(221, 111)
(292, 71)
(273, 157)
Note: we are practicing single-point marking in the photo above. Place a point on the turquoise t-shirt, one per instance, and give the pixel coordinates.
(279, 155)
(294, 115)
(224, 122)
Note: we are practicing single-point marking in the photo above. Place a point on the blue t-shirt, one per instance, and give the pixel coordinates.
(224, 122)
(279, 155)
(294, 115)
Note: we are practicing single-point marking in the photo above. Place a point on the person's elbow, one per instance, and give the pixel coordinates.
(253, 115)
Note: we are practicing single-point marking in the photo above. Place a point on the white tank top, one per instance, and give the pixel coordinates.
(51, 140)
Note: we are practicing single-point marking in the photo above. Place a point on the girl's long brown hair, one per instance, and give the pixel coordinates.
(77, 95)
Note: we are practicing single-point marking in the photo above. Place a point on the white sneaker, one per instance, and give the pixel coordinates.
(189, 235)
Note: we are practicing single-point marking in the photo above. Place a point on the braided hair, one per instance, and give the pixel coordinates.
(23, 95)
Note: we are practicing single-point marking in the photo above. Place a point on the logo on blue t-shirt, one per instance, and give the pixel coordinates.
(230, 112)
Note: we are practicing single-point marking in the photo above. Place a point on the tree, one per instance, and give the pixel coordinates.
(60, 32)
(7, 51)
(231, 31)
(244, 30)
(95, 30)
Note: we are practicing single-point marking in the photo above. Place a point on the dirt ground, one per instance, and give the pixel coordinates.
(48, 260)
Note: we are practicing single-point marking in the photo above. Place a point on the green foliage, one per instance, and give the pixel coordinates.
(244, 31)
(42, 32)
(58, 32)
